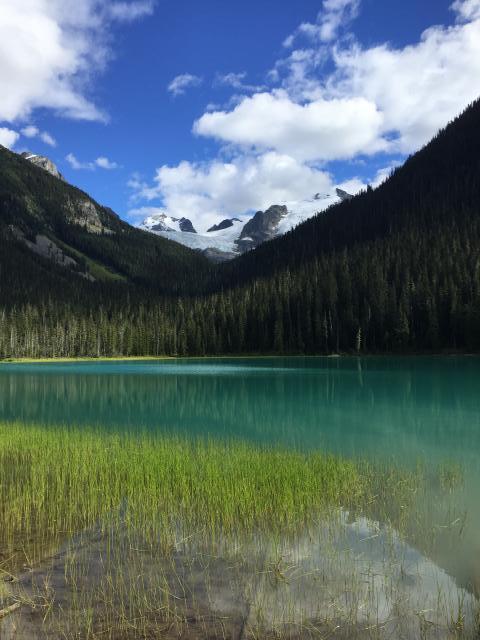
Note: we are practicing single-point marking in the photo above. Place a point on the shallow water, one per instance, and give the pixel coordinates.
(355, 576)
(406, 409)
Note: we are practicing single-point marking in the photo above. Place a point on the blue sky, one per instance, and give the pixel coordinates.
(212, 109)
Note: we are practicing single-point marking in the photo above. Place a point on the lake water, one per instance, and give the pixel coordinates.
(407, 409)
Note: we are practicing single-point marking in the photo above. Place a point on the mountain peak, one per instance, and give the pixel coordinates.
(163, 223)
(262, 227)
(233, 236)
(343, 195)
(186, 226)
(43, 162)
(224, 224)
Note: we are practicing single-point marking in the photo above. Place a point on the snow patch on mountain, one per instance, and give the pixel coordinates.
(299, 211)
(160, 223)
(234, 236)
(222, 240)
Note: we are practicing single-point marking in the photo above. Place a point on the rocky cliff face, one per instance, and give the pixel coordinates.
(224, 224)
(343, 195)
(262, 227)
(79, 211)
(46, 248)
(44, 163)
(49, 227)
(186, 225)
(84, 213)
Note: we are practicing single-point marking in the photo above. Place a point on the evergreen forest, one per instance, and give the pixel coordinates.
(395, 269)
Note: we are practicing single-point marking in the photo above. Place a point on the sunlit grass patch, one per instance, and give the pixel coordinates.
(160, 536)
(58, 481)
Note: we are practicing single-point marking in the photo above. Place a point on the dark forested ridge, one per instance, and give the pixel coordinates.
(438, 185)
(52, 232)
(394, 269)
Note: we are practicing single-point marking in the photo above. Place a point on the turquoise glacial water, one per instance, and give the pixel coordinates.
(406, 409)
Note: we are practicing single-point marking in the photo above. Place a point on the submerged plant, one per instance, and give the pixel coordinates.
(153, 534)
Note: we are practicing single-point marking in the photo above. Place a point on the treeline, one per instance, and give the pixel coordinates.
(410, 293)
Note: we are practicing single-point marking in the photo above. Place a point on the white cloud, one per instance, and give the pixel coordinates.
(299, 74)
(105, 163)
(129, 11)
(418, 89)
(467, 9)
(237, 82)
(179, 85)
(48, 139)
(376, 99)
(49, 51)
(8, 137)
(140, 213)
(334, 14)
(320, 130)
(135, 183)
(32, 131)
(102, 163)
(210, 191)
(364, 101)
(77, 165)
(383, 174)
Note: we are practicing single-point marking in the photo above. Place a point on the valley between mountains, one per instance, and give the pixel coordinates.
(393, 268)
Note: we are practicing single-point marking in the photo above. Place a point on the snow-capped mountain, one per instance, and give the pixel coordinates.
(218, 243)
(161, 223)
(234, 236)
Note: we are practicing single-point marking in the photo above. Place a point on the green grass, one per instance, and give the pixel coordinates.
(101, 272)
(62, 480)
(96, 269)
(172, 523)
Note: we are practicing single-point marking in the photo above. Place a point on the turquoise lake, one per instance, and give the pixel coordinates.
(407, 407)
(404, 409)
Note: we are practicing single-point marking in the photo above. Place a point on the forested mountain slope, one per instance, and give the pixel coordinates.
(53, 236)
(397, 268)
(439, 185)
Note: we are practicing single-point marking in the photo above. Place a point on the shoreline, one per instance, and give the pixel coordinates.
(67, 360)
(84, 359)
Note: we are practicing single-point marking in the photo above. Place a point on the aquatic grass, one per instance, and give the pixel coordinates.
(153, 532)
(59, 481)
